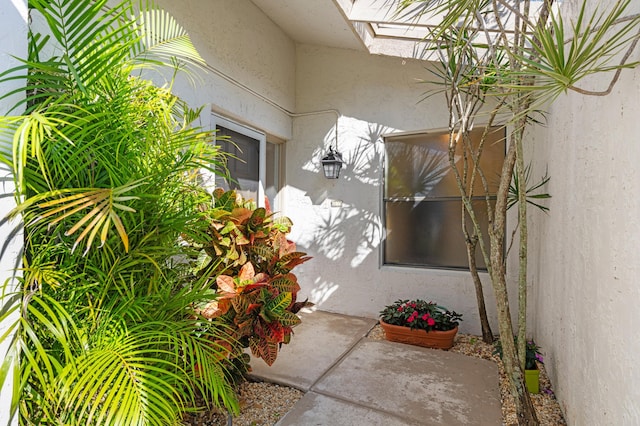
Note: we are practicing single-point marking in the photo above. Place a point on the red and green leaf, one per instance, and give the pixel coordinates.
(278, 304)
(291, 260)
(287, 283)
(289, 319)
(256, 258)
(226, 284)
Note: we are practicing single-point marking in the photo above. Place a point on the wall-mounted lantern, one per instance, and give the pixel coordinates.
(331, 164)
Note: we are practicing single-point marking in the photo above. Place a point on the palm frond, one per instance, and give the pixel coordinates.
(595, 42)
(91, 40)
(103, 215)
(530, 195)
(107, 336)
(162, 39)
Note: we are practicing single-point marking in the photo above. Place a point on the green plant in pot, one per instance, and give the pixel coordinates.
(421, 323)
(532, 358)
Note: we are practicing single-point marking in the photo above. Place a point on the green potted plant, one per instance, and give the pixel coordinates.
(418, 322)
(532, 358)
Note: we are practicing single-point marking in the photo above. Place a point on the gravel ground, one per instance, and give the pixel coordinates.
(547, 407)
(263, 404)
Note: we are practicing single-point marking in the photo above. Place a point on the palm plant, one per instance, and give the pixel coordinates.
(104, 164)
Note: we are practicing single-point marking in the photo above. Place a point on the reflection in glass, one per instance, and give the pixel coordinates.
(272, 184)
(429, 233)
(422, 202)
(243, 164)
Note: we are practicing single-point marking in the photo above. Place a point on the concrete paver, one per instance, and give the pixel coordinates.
(427, 386)
(318, 343)
(351, 380)
(316, 409)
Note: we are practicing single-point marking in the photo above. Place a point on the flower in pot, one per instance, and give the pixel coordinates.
(532, 357)
(421, 323)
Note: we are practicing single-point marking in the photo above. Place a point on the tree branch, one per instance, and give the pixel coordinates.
(615, 77)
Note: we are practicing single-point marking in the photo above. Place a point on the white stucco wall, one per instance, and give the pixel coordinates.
(584, 264)
(13, 41)
(375, 95)
(338, 222)
(236, 38)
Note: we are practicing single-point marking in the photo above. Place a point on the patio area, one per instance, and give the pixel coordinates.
(293, 82)
(350, 379)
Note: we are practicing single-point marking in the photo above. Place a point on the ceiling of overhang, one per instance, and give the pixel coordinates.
(367, 25)
(371, 25)
(317, 22)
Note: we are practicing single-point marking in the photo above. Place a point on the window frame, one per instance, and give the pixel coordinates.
(383, 199)
(220, 121)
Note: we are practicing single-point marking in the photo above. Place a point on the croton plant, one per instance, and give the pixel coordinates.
(248, 262)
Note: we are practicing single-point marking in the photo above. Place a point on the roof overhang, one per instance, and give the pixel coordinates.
(374, 25)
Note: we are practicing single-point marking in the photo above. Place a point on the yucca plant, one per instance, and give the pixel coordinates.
(502, 62)
(248, 261)
(104, 164)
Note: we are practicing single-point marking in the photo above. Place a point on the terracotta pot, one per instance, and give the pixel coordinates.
(432, 339)
(532, 380)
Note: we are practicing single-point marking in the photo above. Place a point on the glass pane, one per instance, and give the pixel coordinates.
(244, 169)
(416, 169)
(429, 233)
(418, 165)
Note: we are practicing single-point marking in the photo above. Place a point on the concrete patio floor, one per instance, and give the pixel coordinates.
(349, 379)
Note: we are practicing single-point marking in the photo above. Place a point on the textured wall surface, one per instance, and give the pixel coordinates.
(13, 41)
(235, 37)
(585, 279)
(339, 222)
(585, 264)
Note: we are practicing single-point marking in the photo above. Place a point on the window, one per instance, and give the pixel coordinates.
(255, 163)
(422, 204)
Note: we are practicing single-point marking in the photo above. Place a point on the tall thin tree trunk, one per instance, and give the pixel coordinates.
(522, 223)
(524, 407)
(487, 334)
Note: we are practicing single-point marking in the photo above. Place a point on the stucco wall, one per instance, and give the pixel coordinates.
(339, 222)
(236, 38)
(584, 264)
(13, 41)
(375, 95)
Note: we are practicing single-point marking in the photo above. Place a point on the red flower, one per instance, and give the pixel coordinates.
(425, 316)
(431, 321)
(410, 319)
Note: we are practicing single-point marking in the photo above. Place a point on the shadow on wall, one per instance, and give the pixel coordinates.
(364, 162)
(340, 223)
(354, 227)
(346, 227)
